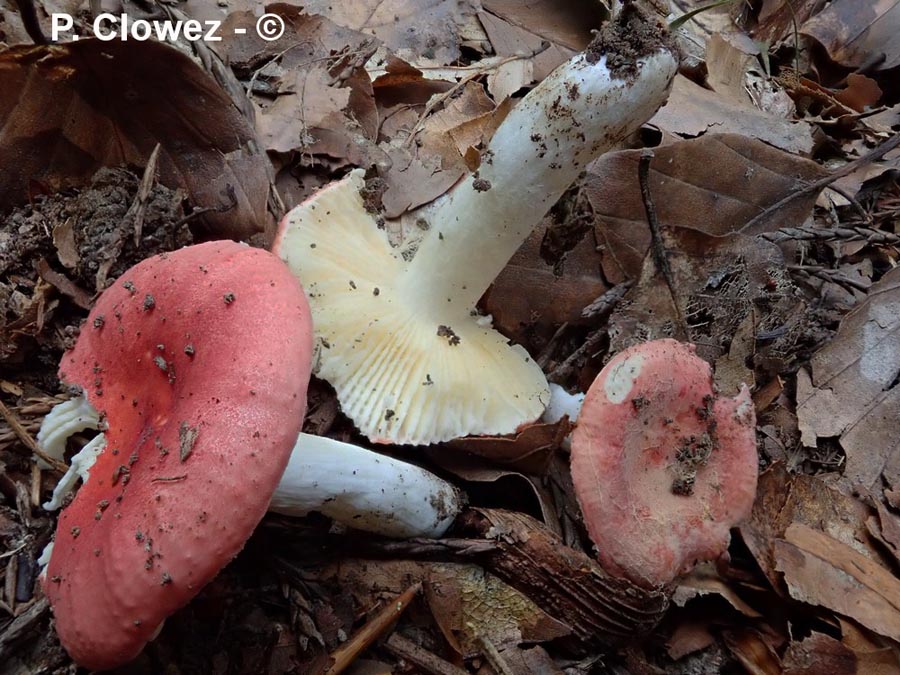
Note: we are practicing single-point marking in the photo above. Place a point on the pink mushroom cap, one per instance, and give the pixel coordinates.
(199, 359)
(662, 466)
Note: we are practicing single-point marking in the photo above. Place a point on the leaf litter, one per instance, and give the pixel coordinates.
(780, 239)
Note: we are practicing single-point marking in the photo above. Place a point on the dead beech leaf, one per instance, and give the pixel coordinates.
(689, 637)
(564, 22)
(714, 184)
(471, 604)
(693, 110)
(753, 651)
(783, 499)
(70, 109)
(314, 97)
(529, 450)
(704, 580)
(509, 40)
(533, 295)
(854, 392)
(820, 570)
(859, 34)
(875, 654)
(819, 653)
(415, 31)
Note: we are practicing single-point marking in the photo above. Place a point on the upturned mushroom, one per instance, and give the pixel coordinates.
(200, 419)
(662, 465)
(400, 339)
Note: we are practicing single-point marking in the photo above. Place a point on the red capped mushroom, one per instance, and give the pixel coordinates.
(663, 467)
(202, 383)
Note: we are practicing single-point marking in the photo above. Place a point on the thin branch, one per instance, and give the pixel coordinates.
(26, 439)
(815, 186)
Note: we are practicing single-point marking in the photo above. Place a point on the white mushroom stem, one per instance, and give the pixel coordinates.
(562, 403)
(355, 487)
(581, 110)
(364, 490)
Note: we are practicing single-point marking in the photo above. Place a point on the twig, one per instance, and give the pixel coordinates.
(491, 653)
(346, 654)
(867, 234)
(606, 302)
(26, 439)
(564, 369)
(817, 185)
(419, 657)
(139, 205)
(657, 247)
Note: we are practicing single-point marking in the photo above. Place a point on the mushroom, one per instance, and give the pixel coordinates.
(353, 486)
(201, 415)
(400, 339)
(365, 490)
(662, 465)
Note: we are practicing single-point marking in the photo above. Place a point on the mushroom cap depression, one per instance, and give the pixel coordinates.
(199, 360)
(662, 466)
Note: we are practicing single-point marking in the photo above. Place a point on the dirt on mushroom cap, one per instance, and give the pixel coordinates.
(173, 518)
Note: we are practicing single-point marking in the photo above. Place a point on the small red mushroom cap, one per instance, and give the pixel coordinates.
(199, 359)
(662, 466)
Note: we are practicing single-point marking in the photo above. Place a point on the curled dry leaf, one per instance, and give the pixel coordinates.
(529, 450)
(859, 33)
(821, 570)
(693, 111)
(783, 499)
(68, 110)
(714, 184)
(854, 391)
(819, 653)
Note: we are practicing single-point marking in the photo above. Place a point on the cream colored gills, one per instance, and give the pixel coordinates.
(410, 360)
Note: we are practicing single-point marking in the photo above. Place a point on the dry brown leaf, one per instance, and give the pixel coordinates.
(783, 499)
(859, 33)
(416, 31)
(820, 570)
(509, 40)
(68, 110)
(529, 450)
(726, 65)
(853, 392)
(819, 653)
(875, 654)
(714, 184)
(413, 181)
(704, 580)
(313, 97)
(532, 296)
(689, 637)
(693, 110)
(753, 651)
(776, 18)
(567, 23)
(472, 605)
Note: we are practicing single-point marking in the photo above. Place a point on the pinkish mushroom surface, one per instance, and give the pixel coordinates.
(663, 467)
(199, 360)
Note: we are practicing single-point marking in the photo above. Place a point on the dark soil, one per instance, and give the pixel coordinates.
(57, 252)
